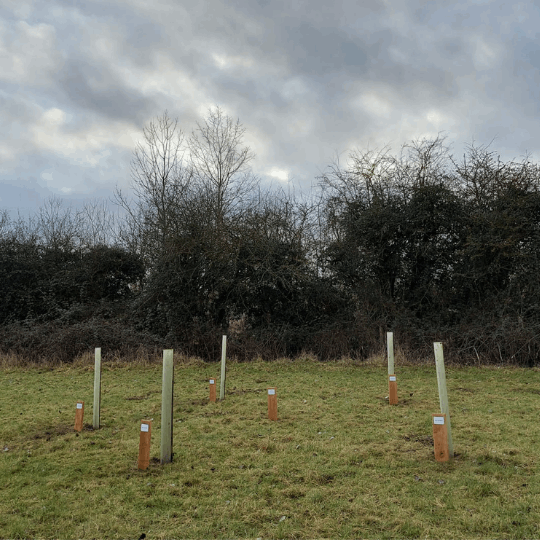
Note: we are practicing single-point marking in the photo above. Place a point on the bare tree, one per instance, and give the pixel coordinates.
(6, 226)
(59, 226)
(160, 182)
(221, 165)
(99, 223)
(427, 163)
(67, 228)
(482, 176)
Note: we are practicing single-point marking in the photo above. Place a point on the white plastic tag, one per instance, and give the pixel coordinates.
(79, 405)
(392, 378)
(438, 420)
(271, 392)
(144, 427)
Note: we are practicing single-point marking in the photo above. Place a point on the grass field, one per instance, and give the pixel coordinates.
(339, 463)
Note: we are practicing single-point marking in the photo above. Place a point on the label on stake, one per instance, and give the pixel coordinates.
(438, 420)
(392, 378)
(271, 392)
(79, 405)
(144, 445)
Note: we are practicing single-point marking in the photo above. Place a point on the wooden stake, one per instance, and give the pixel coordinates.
(144, 444)
(443, 395)
(392, 390)
(167, 391)
(223, 361)
(272, 404)
(97, 389)
(213, 390)
(79, 415)
(440, 437)
(390, 349)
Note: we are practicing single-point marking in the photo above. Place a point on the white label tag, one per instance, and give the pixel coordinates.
(271, 392)
(438, 420)
(392, 378)
(144, 427)
(212, 381)
(79, 405)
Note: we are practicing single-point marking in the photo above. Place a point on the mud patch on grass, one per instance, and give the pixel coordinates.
(51, 433)
(403, 402)
(325, 479)
(424, 440)
(200, 402)
(294, 493)
(527, 390)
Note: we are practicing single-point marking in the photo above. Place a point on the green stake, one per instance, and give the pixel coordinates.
(167, 407)
(97, 389)
(223, 360)
(390, 347)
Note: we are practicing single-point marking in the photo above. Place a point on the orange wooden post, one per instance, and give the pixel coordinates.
(144, 444)
(272, 404)
(392, 390)
(213, 390)
(440, 437)
(79, 414)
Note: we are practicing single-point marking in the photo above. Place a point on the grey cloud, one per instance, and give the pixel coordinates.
(319, 50)
(15, 109)
(109, 98)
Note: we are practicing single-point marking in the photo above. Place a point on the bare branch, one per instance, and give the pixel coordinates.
(218, 160)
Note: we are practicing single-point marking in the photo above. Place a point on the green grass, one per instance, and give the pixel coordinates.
(339, 463)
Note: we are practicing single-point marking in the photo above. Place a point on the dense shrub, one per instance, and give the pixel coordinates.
(54, 343)
(430, 251)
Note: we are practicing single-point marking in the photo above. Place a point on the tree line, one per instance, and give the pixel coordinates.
(418, 243)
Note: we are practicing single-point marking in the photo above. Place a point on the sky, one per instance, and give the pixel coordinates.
(308, 80)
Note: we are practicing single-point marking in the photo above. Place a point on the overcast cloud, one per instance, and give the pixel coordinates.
(79, 80)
